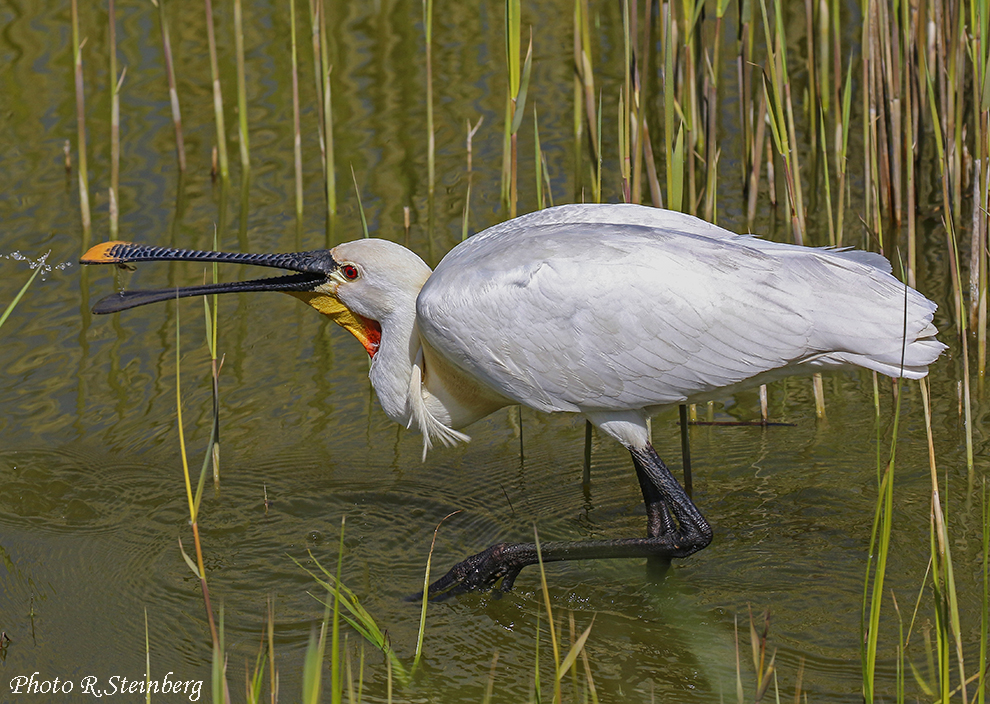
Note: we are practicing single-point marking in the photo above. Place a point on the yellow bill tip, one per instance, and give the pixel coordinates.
(102, 253)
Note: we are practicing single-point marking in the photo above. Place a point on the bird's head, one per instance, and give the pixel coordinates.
(359, 285)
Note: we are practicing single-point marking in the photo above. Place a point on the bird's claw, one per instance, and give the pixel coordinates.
(480, 571)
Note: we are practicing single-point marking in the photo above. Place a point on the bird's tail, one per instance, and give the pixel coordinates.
(886, 327)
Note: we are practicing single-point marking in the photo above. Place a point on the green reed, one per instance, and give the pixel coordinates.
(876, 565)
(515, 105)
(343, 603)
(194, 499)
(576, 650)
(211, 314)
(20, 294)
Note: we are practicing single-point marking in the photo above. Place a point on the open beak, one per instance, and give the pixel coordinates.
(312, 270)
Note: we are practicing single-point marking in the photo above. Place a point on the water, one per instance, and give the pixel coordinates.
(92, 503)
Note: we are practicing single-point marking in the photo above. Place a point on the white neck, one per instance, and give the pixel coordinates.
(415, 385)
(392, 365)
(397, 373)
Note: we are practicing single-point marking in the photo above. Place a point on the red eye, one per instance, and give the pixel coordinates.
(349, 271)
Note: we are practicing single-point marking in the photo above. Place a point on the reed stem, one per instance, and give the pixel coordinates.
(81, 169)
(114, 192)
(430, 131)
(217, 95)
(327, 114)
(173, 93)
(296, 132)
(242, 110)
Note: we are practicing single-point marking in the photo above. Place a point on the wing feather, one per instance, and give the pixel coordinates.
(594, 308)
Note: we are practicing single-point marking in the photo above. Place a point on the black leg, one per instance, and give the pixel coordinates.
(675, 528)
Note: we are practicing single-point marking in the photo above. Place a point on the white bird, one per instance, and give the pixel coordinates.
(610, 311)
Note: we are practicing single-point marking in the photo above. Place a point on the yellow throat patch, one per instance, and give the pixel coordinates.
(368, 332)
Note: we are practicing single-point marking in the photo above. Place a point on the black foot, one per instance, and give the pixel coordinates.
(675, 528)
(501, 561)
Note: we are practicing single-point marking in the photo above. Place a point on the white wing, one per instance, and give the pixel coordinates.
(583, 308)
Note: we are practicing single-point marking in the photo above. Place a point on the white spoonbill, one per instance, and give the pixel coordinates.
(610, 311)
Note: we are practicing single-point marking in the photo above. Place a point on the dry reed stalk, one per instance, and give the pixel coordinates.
(744, 74)
(173, 94)
(651, 167)
(77, 47)
(710, 90)
(586, 75)
(689, 100)
(537, 161)
(669, 90)
(643, 148)
(771, 174)
(819, 395)
(909, 78)
(515, 105)
(842, 131)
(217, 94)
(625, 157)
(645, 153)
(823, 70)
(781, 113)
(578, 124)
(626, 115)
(978, 296)
(813, 99)
(869, 111)
(328, 155)
(834, 15)
(296, 132)
(755, 160)
(826, 176)
(430, 133)
(958, 79)
(884, 89)
(242, 114)
(114, 122)
(894, 78)
(711, 99)
(315, 11)
(470, 177)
